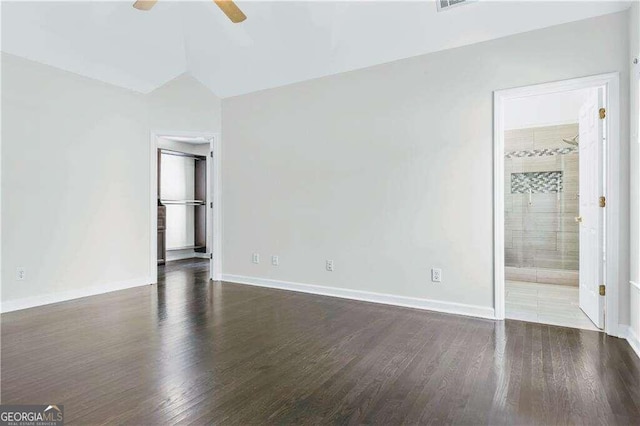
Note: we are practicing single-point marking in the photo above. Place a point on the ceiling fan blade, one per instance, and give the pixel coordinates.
(232, 11)
(144, 4)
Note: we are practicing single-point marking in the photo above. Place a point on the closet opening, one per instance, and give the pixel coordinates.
(183, 206)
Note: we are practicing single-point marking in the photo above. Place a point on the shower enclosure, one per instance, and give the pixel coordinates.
(541, 205)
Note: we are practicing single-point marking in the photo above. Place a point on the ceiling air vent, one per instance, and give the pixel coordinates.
(448, 4)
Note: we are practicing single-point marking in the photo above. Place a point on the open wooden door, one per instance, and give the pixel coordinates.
(591, 184)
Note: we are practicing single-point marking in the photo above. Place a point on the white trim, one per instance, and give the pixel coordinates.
(47, 299)
(498, 205)
(626, 332)
(366, 296)
(215, 227)
(634, 284)
(153, 210)
(613, 216)
(216, 262)
(612, 212)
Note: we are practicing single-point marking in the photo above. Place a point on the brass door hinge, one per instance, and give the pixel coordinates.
(602, 290)
(603, 201)
(603, 113)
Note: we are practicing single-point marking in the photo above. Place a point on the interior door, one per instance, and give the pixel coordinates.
(591, 130)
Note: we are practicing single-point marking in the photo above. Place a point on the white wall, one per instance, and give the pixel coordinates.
(388, 170)
(178, 183)
(634, 52)
(75, 178)
(184, 104)
(191, 148)
(543, 110)
(1, 150)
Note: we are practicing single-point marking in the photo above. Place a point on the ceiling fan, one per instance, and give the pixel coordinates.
(229, 8)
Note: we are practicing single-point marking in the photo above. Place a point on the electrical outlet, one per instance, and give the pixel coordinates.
(329, 265)
(436, 275)
(21, 274)
(275, 261)
(256, 258)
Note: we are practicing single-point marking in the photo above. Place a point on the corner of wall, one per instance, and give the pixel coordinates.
(628, 333)
(634, 190)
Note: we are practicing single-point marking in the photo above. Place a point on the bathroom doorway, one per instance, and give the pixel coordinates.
(553, 157)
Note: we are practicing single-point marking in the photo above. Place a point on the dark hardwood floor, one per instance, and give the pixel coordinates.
(190, 351)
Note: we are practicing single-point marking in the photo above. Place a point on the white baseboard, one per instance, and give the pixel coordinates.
(627, 332)
(183, 256)
(387, 299)
(47, 299)
(180, 255)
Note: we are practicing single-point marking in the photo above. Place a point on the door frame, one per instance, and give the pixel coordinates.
(214, 195)
(613, 216)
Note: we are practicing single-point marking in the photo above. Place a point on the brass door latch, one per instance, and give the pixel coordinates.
(603, 113)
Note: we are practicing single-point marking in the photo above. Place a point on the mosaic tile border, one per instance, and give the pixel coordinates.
(536, 182)
(541, 152)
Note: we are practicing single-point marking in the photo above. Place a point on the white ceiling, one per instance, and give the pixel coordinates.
(279, 43)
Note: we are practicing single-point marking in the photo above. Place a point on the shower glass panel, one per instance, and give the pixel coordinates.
(541, 205)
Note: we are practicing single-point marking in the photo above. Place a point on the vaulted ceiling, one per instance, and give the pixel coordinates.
(279, 43)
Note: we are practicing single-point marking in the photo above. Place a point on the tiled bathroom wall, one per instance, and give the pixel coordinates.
(541, 203)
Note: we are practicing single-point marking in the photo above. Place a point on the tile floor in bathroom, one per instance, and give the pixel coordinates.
(545, 303)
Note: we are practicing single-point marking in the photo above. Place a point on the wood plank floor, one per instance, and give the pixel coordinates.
(192, 352)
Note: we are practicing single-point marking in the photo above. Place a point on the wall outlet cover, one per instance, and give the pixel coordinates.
(275, 261)
(436, 275)
(329, 265)
(255, 258)
(21, 274)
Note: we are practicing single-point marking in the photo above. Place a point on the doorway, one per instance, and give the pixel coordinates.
(555, 146)
(185, 203)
